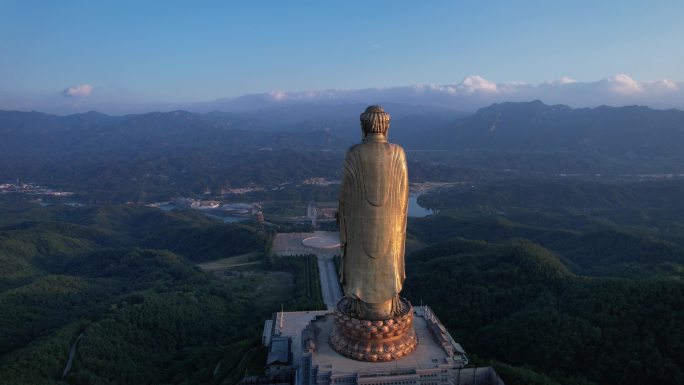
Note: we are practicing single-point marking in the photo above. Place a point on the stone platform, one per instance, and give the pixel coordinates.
(437, 359)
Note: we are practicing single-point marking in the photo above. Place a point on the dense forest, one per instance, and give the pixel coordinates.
(558, 283)
(551, 283)
(124, 279)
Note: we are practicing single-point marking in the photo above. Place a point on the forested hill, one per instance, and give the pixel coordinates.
(517, 306)
(92, 133)
(558, 283)
(125, 279)
(666, 194)
(535, 126)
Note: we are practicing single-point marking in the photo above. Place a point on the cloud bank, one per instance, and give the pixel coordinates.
(476, 91)
(469, 94)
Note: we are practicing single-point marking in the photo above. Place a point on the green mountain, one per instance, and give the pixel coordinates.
(534, 126)
(121, 283)
(517, 303)
(558, 283)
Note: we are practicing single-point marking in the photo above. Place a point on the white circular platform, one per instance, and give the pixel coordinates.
(322, 241)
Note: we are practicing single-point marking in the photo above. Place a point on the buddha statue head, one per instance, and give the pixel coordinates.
(374, 121)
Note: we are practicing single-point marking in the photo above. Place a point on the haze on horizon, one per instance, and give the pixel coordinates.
(122, 57)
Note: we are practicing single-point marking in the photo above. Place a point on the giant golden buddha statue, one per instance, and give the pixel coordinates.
(373, 323)
(372, 220)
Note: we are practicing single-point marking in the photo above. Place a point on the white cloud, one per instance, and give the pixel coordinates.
(471, 93)
(476, 83)
(561, 81)
(663, 85)
(470, 85)
(78, 91)
(475, 91)
(623, 84)
(279, 95)
(444, 89)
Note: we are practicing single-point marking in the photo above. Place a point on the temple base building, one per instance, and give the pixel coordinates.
(300, 354)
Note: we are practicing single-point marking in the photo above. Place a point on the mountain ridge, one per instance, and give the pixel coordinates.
(181, 148)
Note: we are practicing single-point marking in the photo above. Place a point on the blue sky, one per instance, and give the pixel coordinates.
(191, 51)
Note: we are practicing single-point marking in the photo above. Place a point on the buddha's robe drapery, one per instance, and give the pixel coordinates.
(372, 217)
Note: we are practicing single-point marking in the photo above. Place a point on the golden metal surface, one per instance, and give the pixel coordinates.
(372, 219)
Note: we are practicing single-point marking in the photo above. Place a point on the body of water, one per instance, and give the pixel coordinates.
(414, 209)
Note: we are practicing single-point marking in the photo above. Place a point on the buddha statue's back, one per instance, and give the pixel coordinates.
(372, 219)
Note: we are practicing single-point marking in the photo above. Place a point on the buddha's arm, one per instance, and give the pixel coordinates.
(405, 187)
(342, 214)
(404, 184)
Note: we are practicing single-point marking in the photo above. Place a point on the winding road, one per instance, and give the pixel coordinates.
(72, 352)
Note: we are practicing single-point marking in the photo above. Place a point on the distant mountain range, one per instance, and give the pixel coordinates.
(526, 137)
(26, 132)
(520, 126)
(534, 126)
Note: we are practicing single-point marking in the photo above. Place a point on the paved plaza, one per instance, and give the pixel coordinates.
(288, 244)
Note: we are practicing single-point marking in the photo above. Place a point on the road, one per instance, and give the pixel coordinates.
(72, 353)
(248, 259)
(330, 282)
(223, 266)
